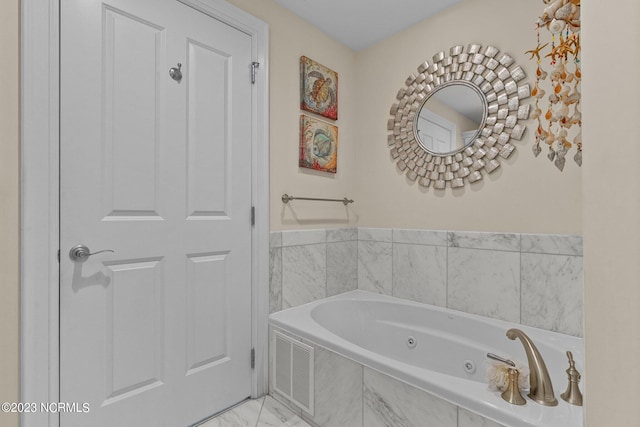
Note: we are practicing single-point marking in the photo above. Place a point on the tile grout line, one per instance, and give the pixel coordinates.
(520, 281)
(326, 263)
(446, 274)
(393, 276)
(281, 278)
(362, 395)
(260, 411)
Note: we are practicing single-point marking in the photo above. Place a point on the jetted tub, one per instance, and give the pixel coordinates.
(437, 350)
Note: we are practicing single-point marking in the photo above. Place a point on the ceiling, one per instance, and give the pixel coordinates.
(361, 23)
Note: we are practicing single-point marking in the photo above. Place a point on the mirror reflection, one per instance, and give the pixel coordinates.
(451, 118)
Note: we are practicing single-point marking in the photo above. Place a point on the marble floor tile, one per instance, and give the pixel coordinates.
(261, 412)
(244, 415)
(275, 414)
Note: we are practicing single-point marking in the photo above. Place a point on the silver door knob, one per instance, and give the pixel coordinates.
(80, 253)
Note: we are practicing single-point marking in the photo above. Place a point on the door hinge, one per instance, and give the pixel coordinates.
(254, 67)
(253, 358)
(58, 256)
(253, 215)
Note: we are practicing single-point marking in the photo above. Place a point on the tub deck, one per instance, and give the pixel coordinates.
(440, 351)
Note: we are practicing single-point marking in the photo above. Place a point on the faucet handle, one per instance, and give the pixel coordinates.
(512, 393)
(501, 359)
(573, 395)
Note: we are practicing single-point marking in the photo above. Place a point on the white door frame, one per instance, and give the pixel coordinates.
(39, 210)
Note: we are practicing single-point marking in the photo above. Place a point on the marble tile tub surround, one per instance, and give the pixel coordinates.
(306, 265)
(531, 279)
(350, 394)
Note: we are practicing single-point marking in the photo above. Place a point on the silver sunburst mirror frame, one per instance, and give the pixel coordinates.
(497, 78)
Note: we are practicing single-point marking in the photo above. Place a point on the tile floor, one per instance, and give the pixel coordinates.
(262, 412)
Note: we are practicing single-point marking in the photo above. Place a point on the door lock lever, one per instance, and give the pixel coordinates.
(80, 253)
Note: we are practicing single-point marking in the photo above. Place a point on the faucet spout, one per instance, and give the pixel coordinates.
(540, 387)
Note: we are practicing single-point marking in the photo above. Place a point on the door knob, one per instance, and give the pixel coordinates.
(80, 253)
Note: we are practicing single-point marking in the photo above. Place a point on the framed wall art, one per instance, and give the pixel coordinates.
(318, 145)
(318, 88)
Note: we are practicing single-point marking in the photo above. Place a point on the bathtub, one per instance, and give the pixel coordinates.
(440, 351)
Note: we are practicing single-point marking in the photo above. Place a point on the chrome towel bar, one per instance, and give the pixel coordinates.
(287, 198)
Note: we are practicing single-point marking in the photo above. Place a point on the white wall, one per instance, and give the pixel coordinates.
(611, 191)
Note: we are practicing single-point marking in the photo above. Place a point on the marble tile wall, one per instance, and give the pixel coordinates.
(389, 402)
(311, 264)
(530, 279)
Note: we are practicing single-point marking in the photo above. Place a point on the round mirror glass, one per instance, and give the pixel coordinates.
(451, 118)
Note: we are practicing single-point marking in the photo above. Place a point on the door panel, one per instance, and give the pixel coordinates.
(437, 133)
(208, 112)
(134, 350)
(132, 113)
(207, 313)
(159, 332)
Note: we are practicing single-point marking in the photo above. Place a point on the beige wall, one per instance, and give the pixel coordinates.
(289, 38)
(527, 194)
(9, 217)
(513, 202)
(514, 198)
(611, 188)
(518, 195)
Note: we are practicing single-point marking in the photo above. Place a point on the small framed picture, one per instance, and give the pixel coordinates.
(318, 88)
(318, 145)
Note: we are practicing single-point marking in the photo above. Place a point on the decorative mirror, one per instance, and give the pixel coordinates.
(451, 118)
(457, 116)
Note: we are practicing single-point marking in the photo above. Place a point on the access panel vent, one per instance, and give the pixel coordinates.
(293, 371)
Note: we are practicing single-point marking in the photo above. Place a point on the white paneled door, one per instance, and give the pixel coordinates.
(437, 133)
(156, 168)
